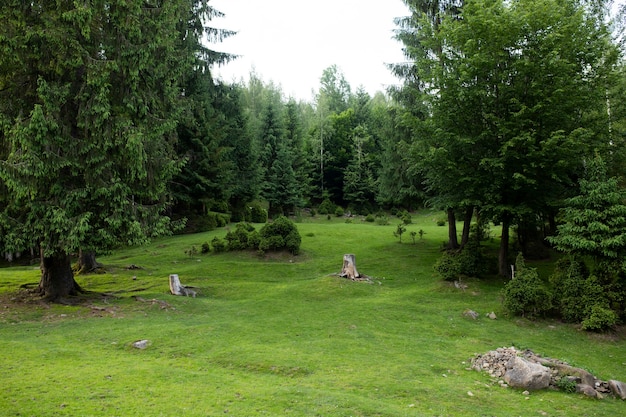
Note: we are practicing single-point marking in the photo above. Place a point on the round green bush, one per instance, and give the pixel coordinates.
(282, 233)
(600, 318)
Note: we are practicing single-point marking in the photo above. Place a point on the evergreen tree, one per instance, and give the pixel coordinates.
(594, 221)
(89, 100)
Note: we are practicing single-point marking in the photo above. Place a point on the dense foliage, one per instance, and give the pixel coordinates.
(113, 130)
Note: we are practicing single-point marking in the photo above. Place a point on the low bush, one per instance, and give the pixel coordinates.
(282, 233)
(218, 245)
(206, 248)
(472, 261)
(326, 207)
(600, 318)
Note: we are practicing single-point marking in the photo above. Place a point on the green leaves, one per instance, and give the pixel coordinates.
(594, 222)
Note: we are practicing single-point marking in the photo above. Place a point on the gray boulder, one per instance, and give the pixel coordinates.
(522, 373)
(618, 389)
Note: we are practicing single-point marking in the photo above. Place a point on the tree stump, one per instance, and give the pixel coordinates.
(177, 288)
(349, 267)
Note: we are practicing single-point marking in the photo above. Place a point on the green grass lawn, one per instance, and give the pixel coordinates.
(282, 336)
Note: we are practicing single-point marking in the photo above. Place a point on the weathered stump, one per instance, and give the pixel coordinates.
(349, 267)
(177, 288)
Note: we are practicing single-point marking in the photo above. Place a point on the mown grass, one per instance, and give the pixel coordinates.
(281, 336)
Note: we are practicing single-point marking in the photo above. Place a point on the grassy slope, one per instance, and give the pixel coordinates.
(282, 337)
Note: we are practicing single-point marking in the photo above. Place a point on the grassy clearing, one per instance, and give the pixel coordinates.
(282, 336)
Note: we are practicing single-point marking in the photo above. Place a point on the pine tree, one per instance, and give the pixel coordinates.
(90, 95)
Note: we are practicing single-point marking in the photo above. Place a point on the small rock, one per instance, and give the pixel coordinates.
(471, 314)
(141, 344)
(492, 315)
(526, 393)
(586, 390)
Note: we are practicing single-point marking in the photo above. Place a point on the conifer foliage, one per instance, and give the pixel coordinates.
(90, 94)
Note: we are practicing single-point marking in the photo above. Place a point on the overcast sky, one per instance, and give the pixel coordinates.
(291, 42)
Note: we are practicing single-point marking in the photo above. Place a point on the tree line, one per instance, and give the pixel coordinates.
(115, 131)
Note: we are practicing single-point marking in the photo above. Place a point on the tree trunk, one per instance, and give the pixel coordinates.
(87, 262)
(467, 222)
(453, 240)
(349, 267)
(503, 254)
(57, 278)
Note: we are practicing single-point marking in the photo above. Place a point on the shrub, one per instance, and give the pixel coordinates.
(471, 261)
(217, 219)
(370, 218)
(257, 213)
(571, 289)
(382, 220)
(405, 216)
(440, 222)
(565, 384)
(339, 211)
(282, 233)
(218, 245)
(525, 295)
(193, 251)
(239, 238)
(254, 239)
(326, 207)
(600, 318)
(448, 266)
(206, 248)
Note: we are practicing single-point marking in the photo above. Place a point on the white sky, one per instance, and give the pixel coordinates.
(291, 42)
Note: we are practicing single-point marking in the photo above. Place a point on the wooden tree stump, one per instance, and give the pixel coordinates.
(349, 267)
(177, 288)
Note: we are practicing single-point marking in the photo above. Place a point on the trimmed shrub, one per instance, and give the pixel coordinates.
(339, 211)
(370, 218)
(525, 294)
(282, 233)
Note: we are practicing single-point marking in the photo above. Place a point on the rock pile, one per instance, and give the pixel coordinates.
(529, 371)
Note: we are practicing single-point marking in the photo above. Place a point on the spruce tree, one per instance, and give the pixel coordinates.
(90, 95)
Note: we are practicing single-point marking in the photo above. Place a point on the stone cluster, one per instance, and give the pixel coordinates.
(529, 371)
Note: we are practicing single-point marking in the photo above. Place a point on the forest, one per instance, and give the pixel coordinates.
(113, 131)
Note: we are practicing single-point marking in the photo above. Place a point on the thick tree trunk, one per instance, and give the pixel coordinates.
(467, 222)
(503, 254)
(87, 262)
(349, 267)
(57, 278)
(453, 240)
